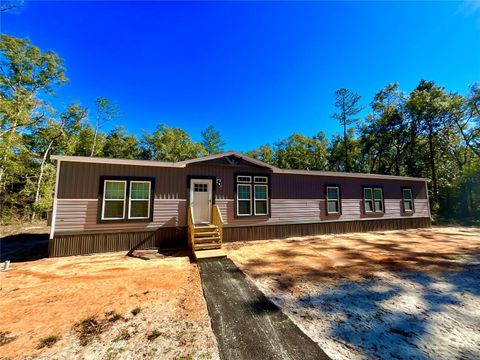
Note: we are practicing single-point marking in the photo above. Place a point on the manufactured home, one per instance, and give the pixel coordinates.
(103, 205)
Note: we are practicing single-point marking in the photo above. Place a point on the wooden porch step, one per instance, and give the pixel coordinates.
(207, 246)
(209, 254)
(212, 239)
(207, 233)
(205, 227)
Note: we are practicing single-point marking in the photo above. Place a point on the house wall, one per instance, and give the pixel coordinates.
(295, 199)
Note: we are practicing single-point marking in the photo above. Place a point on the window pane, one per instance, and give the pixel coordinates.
(244, 207)
(113, 209)
(200, 187)
(367, 193)
(407, 194)
(139, 209)
(378, 194)
(407, 205)
(260, 207)
(368, 206)
(260, 192)
(332, 193)
(140, 190)
(378, 206)
(333, 207)
(114, 190)
(244, 192)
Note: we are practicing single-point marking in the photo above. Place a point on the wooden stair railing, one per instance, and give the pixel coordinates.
(191, 228)
(217, 220)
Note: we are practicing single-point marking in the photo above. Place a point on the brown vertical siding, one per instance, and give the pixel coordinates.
(81, 180)
(67, 245)
(247, 233)
(288, 186)
(77, 244)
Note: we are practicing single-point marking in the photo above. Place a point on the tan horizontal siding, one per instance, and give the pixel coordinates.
(75, 215)
(315, 209)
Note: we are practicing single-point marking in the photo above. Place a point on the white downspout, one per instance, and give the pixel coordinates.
(54, 211)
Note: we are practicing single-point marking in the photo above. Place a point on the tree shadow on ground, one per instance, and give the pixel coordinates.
(342, 279)
(24, 247)
(355, 256)
(373, 317)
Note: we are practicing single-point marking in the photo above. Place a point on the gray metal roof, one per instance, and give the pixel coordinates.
(183, 164)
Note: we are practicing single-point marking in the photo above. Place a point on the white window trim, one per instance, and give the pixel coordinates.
(409, 200)
(264, 179)
(381, 200)
(255, 199)
(149, 199)
(373, 200)
(250, 199)
(365, 200)
(337, 200)
(244, 181)
(124, 200)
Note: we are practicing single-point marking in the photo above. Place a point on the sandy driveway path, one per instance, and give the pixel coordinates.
(247, 325)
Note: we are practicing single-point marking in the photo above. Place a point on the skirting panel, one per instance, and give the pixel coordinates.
(246, 233)
(79, 244)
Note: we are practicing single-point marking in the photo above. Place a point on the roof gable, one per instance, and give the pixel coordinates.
(231, 158)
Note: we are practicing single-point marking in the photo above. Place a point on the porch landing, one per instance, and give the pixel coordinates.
(209, 254)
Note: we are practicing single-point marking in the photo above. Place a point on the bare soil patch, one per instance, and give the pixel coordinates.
(394, 294)
(104, 306)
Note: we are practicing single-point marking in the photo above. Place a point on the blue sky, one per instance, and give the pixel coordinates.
(257, 71)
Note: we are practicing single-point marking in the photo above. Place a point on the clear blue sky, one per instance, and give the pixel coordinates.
(257, 71)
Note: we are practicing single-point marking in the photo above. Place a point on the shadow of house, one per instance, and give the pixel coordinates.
(24, 247)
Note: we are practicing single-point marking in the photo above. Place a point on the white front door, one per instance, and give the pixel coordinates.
(201, 200)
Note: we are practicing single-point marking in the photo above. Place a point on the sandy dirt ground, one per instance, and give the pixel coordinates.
(401, 294)
(86, 302)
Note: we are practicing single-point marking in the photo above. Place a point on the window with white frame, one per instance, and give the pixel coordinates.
(261, 199)
(252, 195)
(244, 199)
(114, 196)
(333, 200)
(373, 199)
(139, 206)
(128, 200)
(407, 199)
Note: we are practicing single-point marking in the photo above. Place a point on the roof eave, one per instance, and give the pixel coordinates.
(348, 175)
(99, 160)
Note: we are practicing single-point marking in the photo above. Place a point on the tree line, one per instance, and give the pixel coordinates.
(428, 132)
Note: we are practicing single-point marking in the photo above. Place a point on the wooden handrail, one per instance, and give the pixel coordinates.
(217, 220)
(191, 226)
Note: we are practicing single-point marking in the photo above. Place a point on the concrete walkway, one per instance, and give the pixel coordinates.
(246, 324)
